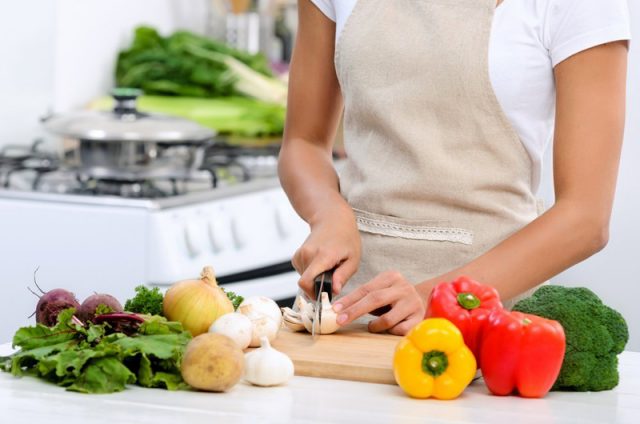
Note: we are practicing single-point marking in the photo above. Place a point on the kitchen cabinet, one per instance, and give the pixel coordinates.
(306, 399)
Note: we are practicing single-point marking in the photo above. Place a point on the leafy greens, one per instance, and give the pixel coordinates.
(92, 359)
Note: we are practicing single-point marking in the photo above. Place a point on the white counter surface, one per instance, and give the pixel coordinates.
(306, 400)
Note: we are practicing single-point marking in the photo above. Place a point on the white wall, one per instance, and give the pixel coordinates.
(57, 55)
(614, 273)
(26, 67)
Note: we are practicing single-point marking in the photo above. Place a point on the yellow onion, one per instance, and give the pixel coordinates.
(196, 303)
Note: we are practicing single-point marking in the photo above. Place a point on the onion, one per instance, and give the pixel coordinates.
(196, 303)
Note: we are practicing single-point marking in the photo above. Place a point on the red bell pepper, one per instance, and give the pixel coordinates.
(521, 353)
(467, 304)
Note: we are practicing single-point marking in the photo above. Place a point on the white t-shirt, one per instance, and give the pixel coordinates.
(529, 38)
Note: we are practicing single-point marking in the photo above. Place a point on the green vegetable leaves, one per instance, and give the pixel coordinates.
(235, 299)
(89, 360)
(204, 80)
(187, 64)
(103, 375)
(146, 301)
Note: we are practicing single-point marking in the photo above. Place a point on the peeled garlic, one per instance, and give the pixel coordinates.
(266, 366)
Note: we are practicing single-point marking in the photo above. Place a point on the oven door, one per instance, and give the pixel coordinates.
(278, 282)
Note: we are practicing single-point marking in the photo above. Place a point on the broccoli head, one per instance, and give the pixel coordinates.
(595, 335)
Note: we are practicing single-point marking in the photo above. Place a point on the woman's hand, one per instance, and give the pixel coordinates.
(334, 242)
(407, 305)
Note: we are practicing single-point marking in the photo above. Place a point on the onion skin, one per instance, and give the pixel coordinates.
(197, 304)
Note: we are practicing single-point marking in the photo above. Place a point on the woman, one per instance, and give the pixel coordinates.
(448, 106)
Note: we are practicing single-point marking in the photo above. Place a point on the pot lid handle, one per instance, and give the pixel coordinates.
(125, 100)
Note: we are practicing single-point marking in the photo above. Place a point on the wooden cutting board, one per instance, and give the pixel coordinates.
(350, 354)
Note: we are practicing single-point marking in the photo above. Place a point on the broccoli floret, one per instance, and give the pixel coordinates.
(595, 335)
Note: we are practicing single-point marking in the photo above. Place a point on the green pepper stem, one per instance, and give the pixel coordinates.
(434, 363)
(468, 300)
(526, 321)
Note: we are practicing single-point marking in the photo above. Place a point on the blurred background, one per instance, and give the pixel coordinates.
(94, 219)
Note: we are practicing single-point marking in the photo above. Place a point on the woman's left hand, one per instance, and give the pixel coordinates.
(407, 307)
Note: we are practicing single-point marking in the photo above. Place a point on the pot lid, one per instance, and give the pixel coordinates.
(126, 123)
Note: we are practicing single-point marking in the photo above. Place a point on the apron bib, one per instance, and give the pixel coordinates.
(435, 172)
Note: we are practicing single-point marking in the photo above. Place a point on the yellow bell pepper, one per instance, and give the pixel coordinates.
(433, 361)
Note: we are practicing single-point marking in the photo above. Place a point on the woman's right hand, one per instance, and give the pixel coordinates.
(334, 242)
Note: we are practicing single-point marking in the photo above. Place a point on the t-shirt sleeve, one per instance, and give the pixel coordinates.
(576, 25)
(326, 7)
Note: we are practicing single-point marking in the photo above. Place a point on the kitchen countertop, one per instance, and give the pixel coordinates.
(305, 400)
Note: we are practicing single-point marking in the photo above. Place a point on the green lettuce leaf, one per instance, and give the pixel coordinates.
(89, 360)
(103, 375)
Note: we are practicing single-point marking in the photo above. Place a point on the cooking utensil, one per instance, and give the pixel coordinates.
(322, 283)
(125, 144)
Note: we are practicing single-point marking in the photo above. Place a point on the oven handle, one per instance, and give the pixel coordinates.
(252, 274)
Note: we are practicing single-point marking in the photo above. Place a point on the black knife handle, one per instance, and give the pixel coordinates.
(320, 286)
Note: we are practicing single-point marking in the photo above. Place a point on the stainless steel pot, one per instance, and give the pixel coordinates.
(125, 144)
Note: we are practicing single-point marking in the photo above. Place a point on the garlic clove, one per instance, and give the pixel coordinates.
(267, 366)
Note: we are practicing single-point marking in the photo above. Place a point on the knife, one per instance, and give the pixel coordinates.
(323, 283)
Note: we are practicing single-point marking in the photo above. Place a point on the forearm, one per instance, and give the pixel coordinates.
(309, 178)
(565, 235)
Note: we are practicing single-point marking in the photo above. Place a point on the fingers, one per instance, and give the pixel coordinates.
(398, 301)
(388, 320)
(368, 303)
(320, 263)
(405, 326)
(342, 274)
(381, 281)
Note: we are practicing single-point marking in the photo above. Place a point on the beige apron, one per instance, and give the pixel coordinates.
(435, 172)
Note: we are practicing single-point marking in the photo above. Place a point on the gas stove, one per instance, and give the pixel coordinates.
(30, 168)
(109, 235)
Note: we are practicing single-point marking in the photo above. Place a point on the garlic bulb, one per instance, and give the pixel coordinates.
(266, 366)
(265, 317)
(235, 326)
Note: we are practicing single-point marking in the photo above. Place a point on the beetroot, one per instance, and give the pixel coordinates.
(87, 311)
(52, 303)
(120, 322)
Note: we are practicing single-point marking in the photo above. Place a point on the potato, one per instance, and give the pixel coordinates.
(212, 362)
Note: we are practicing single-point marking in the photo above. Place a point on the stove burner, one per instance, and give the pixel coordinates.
(14, 158)
(33, 169)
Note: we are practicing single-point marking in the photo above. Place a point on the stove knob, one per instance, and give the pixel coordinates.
(240, 236)
(194, 239)
(283, 227)
(219, 234)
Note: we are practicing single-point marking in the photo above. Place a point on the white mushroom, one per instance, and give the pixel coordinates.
(303, 318)
(292, 319)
